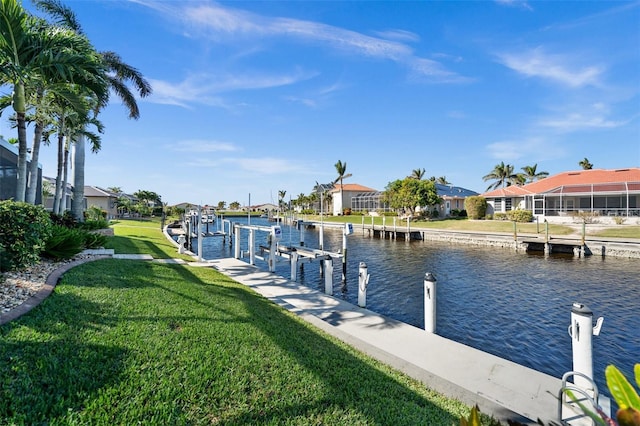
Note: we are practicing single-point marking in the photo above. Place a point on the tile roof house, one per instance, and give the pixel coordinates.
(341, 199)
(600, 192)
(105, 200)
(452, 199)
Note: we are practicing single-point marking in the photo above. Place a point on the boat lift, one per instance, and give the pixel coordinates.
(295, 254)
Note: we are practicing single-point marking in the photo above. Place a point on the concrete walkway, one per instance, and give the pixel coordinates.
(500, 387)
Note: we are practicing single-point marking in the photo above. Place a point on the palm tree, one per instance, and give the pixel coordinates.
(503, 176)
(116, 74)
(341, 168)
(281, 194)
(417, 174)
(32, 51)
(443, 180)
(531, 173)
(585, 164)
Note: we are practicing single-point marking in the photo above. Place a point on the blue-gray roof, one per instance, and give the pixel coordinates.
(453, 191)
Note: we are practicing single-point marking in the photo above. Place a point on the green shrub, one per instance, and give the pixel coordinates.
(93, 240)
(476, 206)
(92, 225)
(64, 243)
(24, 229)
(500, 216)
(95, 213)
(65, 219)
(521, 216)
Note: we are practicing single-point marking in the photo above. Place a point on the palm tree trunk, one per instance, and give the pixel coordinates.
(33, 166)
(19, 108)
(65, 178)
(57, 199)
(77, 202)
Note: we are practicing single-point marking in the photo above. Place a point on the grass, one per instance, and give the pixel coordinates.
(142, 237)
(494, 226)
(126, 342)
(489, 226)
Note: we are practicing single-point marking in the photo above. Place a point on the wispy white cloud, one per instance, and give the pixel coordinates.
(398, 35)
(221, 24)
(206, 88)
(522, 4)
(530, 149)
(579, 121)
(253, 166)
(555, 67)
(203, 146)
(581, 117)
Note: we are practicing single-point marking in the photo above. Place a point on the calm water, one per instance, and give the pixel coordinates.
(513, 305)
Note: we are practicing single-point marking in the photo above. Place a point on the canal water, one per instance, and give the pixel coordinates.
(516, 306)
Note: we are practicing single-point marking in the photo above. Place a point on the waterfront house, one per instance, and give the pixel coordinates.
(105, 200)
(606, 193)
(341, 198)
(452, 199)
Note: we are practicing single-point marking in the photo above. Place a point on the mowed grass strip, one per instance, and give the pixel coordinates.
(142, 237)
(126, 342)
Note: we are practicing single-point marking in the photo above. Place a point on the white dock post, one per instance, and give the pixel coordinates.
(429, 303)
(581, 331)
(363, 282)
(328, 276)
(199, 233)
(181, 242)
(252, 245)
(384, 227)
(348, 230)
(276, 235)
(236, 235)
(294, 265)
(301, 231)
(321, 236)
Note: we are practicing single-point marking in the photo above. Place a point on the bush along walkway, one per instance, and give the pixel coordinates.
(122, 341)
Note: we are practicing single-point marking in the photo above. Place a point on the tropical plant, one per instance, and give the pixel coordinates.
(502, 174)
(417, 174)
(35, 56)
(115, 74)
(585, 164)
(24, 229)
(409, 194)
(443, 180)
(64, 243)
(281, 195)
(476, 207)
(625, 395)
(341, 168)
(532, 174)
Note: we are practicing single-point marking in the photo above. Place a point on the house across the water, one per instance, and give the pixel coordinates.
(598, 192)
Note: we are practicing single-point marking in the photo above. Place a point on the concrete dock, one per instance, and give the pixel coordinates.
(500, 388)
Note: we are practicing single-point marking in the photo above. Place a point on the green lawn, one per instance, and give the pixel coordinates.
(491, 226)
(142, 237)
(133, 342)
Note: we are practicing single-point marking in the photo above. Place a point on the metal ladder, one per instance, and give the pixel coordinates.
(569, 411)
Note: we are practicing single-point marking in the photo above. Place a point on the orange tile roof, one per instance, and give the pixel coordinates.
(352, 187)
(574, 178)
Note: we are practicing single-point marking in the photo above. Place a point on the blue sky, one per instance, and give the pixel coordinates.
(257, 97)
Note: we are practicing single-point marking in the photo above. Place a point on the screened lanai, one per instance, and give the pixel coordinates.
(604, 199)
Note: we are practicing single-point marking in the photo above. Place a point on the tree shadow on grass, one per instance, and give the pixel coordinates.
(47, 370)
(209, 349)
(136, 245)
